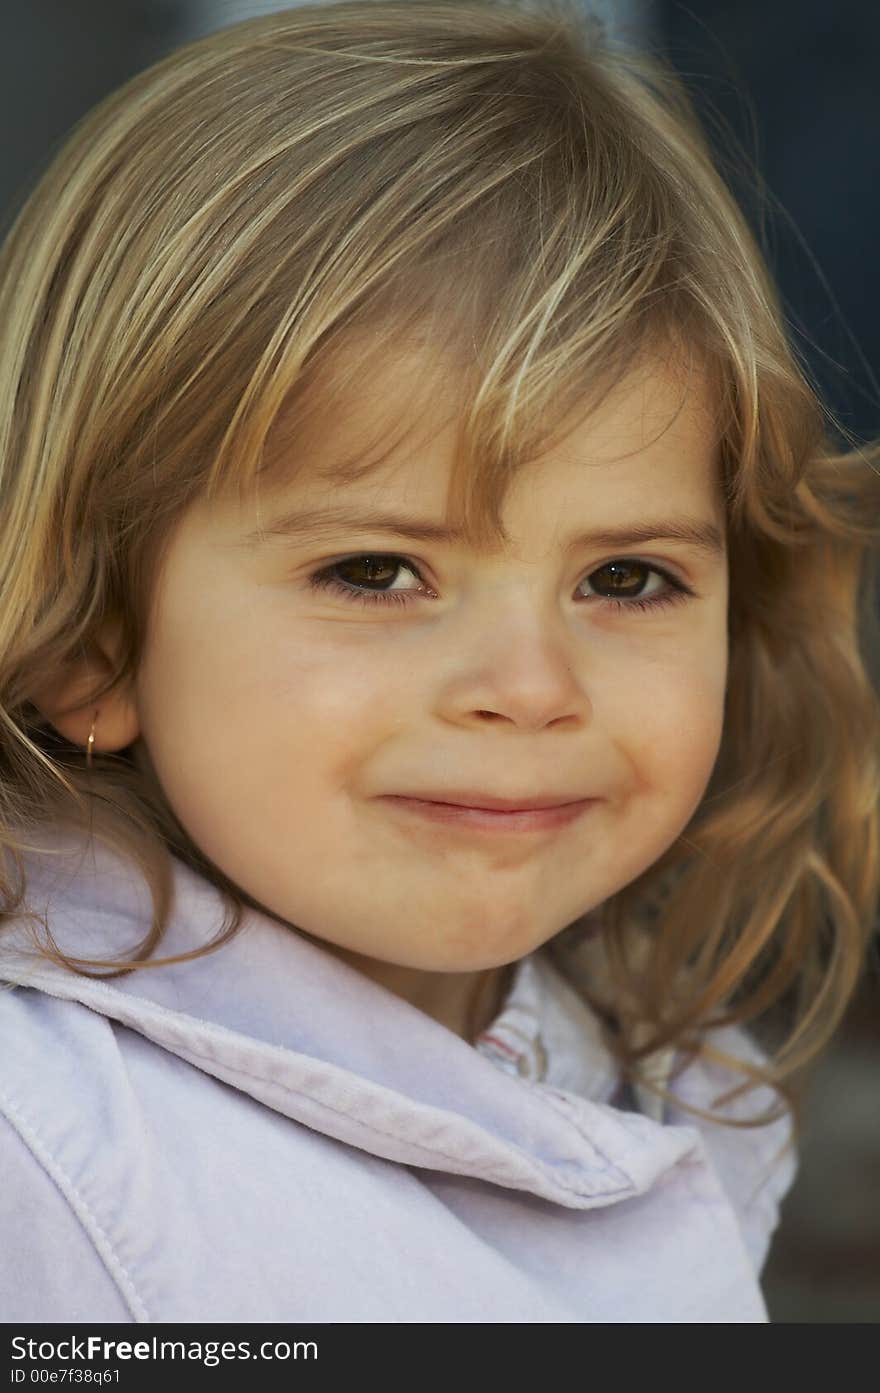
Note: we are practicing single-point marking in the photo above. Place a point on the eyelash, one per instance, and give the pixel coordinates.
(675, 593)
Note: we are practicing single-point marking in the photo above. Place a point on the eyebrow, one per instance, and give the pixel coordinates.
(318, 524)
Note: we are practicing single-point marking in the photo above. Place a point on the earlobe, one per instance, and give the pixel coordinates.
(70, 706)
(105, 726)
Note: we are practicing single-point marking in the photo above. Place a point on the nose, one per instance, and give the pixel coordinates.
(521, 669)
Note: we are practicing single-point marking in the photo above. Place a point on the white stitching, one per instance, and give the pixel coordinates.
(81, 1209)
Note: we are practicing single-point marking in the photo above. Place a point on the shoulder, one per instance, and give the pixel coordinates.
(756, 1164)
(57, 1260)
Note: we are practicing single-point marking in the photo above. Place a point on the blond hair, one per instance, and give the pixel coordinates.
(207, 241)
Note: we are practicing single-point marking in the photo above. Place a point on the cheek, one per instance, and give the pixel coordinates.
(299, 720)
(326, 701)
(675, 725)
(667, 734)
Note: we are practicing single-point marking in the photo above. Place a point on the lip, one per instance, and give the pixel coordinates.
(486, 820)
(484, 802)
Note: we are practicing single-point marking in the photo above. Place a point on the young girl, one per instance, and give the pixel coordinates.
(434, 714)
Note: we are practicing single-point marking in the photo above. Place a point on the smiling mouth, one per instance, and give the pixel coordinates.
(491, 803)
(492, 820)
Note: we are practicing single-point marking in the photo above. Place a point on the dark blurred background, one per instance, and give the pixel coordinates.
(789, 90)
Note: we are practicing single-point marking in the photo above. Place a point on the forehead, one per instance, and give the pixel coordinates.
(372, 406)
(376, 412)
(378, 446)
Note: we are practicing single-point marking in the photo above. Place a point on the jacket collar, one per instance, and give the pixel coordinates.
(275, 1017)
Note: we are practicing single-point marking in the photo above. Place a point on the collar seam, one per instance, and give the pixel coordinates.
(606, 1167)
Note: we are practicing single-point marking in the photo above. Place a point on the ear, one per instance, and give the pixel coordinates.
(68, 704)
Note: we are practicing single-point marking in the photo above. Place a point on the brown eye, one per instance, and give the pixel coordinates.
(622, 577)
(367, 570)
(623, 582)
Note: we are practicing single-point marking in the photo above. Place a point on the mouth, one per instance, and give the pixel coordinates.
(466, 816)
(487, 802)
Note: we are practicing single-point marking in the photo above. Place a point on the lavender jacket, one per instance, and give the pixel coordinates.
(263, 1134)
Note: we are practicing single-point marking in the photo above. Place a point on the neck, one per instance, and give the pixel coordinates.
(464, 1002)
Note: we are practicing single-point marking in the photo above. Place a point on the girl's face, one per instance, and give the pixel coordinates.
(279, 714)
